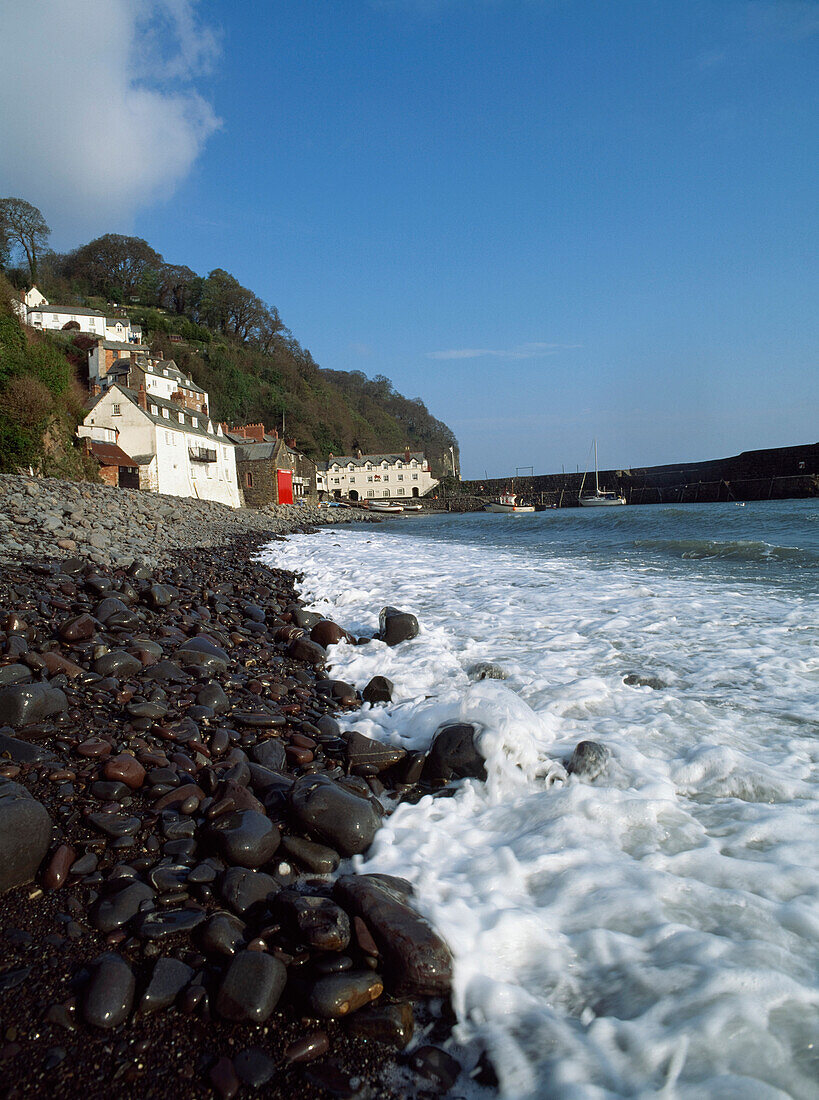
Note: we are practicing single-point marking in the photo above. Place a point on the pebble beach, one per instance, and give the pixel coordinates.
(180, 799)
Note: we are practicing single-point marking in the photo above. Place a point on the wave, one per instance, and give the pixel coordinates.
(742, 550)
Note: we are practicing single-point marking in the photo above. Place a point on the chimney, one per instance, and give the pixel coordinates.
(407, 453)
(274, 433)
(142, 398)
(94, 389)
(291, 443)
(358, 452)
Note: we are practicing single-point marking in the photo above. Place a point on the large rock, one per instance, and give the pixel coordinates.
(24, 704)
(340, 818)
(25, 833)
(364, 752)
(415, 958)
(23, 752)
(202, 652)
(589, 759)
(396, 626)
(246, 838)
(337, 995)
(110, 992)
(251, 988)
(453, 755)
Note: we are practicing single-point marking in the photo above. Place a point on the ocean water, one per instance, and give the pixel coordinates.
(654, 932)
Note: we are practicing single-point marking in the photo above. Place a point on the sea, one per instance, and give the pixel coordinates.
(653, 932)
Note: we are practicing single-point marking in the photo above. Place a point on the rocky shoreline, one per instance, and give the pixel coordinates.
(179, 790)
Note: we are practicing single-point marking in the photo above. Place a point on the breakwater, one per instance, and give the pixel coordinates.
(779, 473)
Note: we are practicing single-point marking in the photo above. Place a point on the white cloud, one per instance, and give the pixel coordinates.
(534, 350)
(99, 116)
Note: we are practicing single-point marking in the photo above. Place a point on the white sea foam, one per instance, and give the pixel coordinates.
(655, 932)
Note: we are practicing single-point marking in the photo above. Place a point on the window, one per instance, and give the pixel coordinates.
(335, 481)
(386, 493)
(166, 413)
(368, 465)
(386, 477)
(352, 481)
(400, 477)
(370, 493)
(169, 437)
(370, 478)
(154, 410)
(180, 417)
(415, 477)
(400, 492)
(249, 480)
(116, 410)
(195, 422)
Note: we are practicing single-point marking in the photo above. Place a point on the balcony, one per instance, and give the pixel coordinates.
(201, 454)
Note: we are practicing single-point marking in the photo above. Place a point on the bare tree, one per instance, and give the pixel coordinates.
(23, 225)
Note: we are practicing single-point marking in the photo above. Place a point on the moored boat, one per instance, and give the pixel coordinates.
(385, 506)
(507, 502)
(600, 498)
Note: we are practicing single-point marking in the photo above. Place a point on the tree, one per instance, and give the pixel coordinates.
(178, 288)
(23, 225)
(114, 265)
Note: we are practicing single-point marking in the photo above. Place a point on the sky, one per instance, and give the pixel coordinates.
(552, 220)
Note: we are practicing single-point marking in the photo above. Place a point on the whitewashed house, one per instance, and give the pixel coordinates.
(376, 476)
(35, 310)
(179, 450)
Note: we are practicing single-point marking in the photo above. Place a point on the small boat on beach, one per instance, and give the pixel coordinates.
(507, 502)
(385, 506)
(600, 498)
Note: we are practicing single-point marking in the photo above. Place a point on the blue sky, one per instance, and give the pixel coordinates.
(550, 219)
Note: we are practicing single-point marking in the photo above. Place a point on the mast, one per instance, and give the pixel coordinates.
(596, 483)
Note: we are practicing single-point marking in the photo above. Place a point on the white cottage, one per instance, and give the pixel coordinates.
(179, 450)
(35, 310)
(376, 476)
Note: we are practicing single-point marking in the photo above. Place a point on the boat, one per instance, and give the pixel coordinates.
(507, 502)
(600, 498)
(385, 506)
(413, 507)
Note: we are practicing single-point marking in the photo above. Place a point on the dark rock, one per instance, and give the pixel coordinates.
(259, 719)
(222, 934)
(485, 670)
(269, 753)
(110, 992)
(115, 910)
(14, 674)
(24, 704)
(396, 626)
(59, 865)
(25, 834)
(336, 995)
(118, 663)
(242, 888)
(305, 619)
(453, 755)
(364, 752)
(223, 1078)
(635, 680)
(202, 652)
(22, 752)
(246, 838)
(333, 814)
(378, 690)
(315, 857)
(316, 921)
(416, 959)
(253, 1067)
(213, 695)
(167, 922)
(326, 632)
(125, 769)
(392, 1024)
(302, 649)
(308, 1047)
(169, 978)
(251, 987)
(436, 1065)
(589, 759)
(167, 672)
(78, 628)
(115, 825)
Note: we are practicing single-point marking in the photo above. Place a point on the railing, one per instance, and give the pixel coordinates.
(201, 454)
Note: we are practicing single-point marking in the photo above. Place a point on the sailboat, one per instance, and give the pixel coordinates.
(600, 498)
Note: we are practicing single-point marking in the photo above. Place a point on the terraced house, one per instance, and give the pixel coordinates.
(377, 476)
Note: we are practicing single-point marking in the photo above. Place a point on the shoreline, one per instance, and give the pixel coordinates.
(119, 718)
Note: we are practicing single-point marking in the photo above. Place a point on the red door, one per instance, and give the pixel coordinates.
(284, 484)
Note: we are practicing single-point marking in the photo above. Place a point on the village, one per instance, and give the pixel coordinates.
(149, 427)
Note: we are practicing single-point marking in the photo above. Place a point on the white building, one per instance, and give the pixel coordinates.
(179, 450)
(367, 477)
(35, 310)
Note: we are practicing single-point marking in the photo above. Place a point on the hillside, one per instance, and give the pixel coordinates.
(230, 342)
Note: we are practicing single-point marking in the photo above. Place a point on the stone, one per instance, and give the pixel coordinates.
(115, 825)
(115, 910)
(634, 679)
(589, 759)
(316, 921)
(269, 753)
(415, 958)
(246, 838)
(392, 1024)
(14, 674)
(25, 835)
(213, 695)
(302, 649)
(485, 670)
(396, 626)
(157, 924)
(78, 629)
(59, 865)
(222, 934)
(23, 752)
(202, 652)
(378, 690)
(243, 888)
(317, 858)
(251, 987)
(254, 1067)
(126, 769)
(453, 755)
(336, 995)
(364, 752)
(118, 663)
(223, 1078)
(436, 1065)
(110, 992)
(326, 632)
(333, 814)
(308, 1047)
(168, 978)
(24, 704)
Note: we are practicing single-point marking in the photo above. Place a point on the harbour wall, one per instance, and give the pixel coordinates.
(775, 474)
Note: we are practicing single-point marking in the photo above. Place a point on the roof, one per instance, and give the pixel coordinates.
(111, 321)
(375, 460)
(119, 345)
(109, 454)
(171, 421)
(76, 311)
